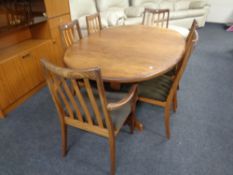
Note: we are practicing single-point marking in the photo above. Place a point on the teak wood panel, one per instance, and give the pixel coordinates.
(21, 72)
(40, 31)
(12, 78)
(57, 8)
(128, 53)
(55, 22)
(14, 37)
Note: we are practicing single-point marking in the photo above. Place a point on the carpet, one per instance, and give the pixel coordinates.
(201, 130)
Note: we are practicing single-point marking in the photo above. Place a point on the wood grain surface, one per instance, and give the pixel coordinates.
(128, 54)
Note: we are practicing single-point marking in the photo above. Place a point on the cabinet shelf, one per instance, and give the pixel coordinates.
(20, 49)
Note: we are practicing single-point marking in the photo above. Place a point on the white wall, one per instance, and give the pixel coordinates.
(221, 11)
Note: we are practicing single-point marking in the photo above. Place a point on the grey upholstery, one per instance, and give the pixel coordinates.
(118, 116)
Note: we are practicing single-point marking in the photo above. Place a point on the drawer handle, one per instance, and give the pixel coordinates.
(26, 55)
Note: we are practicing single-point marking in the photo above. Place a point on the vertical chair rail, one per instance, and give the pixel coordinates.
(71, 97)
(70, 33)
(69, 36)
(82, 102)
(155, 17)
(64, 99)
(93, 23)
(93, 103)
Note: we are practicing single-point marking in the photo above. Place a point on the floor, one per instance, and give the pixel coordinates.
(202, 129)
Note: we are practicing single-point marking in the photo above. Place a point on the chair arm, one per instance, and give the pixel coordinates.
(195, 39)
(131, 95)
(196, 36)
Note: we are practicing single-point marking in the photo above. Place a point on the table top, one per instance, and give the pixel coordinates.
(128, 54)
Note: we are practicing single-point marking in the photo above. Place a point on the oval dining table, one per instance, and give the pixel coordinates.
(128, 54)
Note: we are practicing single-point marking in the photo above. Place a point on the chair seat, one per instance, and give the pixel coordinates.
(118, 116)
(157, 88)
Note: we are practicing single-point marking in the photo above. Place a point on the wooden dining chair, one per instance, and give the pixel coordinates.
(93, 23)
(160, 18)
(156, 17)
(162, 91)
(91, 109)
(70, 33)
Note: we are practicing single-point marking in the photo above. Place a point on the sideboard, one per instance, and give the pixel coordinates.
(21, 75)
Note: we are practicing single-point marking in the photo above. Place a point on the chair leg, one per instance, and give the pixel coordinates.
(167, 121)
(175, 102)
(1, 114)
(64, 139)
(112, 154)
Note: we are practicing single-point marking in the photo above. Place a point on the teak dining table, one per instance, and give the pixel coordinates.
(128, 54)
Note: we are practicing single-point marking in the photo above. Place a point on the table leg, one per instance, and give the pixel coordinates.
(115, 86)
(1, 114)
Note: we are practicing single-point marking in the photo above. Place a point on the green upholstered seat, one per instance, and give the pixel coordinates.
(157, 88)
(172, 72)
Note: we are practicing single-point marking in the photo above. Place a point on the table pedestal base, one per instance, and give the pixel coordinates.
(138, 125)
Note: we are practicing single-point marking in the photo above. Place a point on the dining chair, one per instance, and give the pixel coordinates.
(70, 33)
(91, 109)
(156, 17)
(93, 23)
(160, 18)
(162, 91)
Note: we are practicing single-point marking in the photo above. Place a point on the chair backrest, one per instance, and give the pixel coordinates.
(87, 107)
(70, 33)
(193, 31)
(190, 43)
(93, 23)
(156, 17)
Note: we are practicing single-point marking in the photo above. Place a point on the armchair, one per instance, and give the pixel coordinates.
(90, 109)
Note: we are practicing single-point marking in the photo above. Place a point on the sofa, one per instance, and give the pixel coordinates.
(130, 12)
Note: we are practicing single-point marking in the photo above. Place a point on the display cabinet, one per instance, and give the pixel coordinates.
(23, 46)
